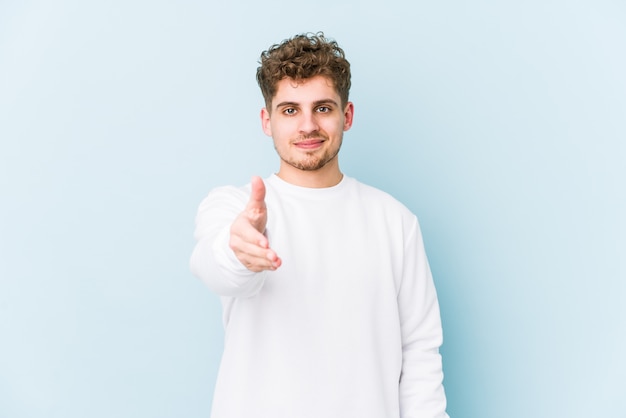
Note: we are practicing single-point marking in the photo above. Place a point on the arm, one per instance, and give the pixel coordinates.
(232, 253)
(421, 389)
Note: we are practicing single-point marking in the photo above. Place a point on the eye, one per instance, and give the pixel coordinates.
(290, 111)
(323, 109)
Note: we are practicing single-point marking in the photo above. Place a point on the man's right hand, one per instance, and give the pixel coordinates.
(247, 239)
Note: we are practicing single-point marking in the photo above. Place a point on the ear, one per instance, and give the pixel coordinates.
(265, 122)
(348, 116)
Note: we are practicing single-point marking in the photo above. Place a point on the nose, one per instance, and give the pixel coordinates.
(308, 123)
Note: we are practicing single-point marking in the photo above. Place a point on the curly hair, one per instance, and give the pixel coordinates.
(301, 57)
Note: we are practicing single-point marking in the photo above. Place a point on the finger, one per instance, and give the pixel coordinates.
(274, 258)
(256, 264)
(257, 195)
(251, 235)
(256, 259)
(247, 249)
(254, 256)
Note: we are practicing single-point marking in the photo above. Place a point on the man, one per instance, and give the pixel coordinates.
(329, 306)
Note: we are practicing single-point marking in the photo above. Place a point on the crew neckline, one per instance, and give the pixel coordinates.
(284, 186)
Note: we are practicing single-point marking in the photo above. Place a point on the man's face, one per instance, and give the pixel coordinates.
(306, 121)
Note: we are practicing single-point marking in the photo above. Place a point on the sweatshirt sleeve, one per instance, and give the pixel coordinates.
(212, 260)
(421, 382)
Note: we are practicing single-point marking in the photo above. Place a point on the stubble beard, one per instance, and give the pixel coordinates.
(312, 162)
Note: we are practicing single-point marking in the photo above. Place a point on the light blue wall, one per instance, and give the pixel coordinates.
(501, 124)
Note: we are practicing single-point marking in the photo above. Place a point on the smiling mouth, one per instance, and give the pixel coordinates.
(309, 143)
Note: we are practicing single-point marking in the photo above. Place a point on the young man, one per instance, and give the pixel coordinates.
(329, 306)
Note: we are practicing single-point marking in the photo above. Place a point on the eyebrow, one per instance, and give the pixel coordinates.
(315, 103)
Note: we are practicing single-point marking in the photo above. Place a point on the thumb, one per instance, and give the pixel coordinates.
(257, 196)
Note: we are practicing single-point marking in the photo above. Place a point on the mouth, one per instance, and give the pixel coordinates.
(309, 144)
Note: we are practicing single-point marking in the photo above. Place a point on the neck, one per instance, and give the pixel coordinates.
(327, 176)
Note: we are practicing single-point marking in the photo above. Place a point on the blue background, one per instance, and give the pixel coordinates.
(501, 124)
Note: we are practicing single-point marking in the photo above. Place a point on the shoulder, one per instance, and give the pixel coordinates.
(226, 196)
(375, 195)
(378, 203)
(227, 191)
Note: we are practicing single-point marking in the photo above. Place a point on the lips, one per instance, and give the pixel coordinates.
(309, 143)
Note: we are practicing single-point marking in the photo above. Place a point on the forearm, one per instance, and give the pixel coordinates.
(212, 259)
(221, 271)
(421, 384)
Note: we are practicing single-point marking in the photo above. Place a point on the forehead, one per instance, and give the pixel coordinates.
(305, 91)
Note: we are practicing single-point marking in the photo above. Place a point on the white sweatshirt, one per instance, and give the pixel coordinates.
(347, 327)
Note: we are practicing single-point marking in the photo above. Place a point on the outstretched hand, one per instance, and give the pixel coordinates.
(247, 239)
